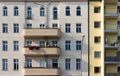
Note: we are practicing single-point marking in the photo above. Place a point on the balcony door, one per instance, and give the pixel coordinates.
(43, 63)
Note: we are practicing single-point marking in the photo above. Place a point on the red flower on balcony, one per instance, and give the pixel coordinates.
(31, 47)
(37, 47)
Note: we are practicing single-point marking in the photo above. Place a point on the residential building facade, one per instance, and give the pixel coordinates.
(41, 37)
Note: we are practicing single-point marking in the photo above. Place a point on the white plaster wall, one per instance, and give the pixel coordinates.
(36, 21)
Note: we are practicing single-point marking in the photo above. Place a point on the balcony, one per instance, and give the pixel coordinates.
(111, 60)
(111, 13)
(41, 51)
(42, 33)
(112, 74)
(110, 1)
(36, 71)
(111, 46)
(111, 31)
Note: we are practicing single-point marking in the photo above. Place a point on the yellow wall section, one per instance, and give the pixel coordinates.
(94, 62)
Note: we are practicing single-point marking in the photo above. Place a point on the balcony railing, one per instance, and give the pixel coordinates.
(112, 74)
(111, 60)
(111, 31)
(36, 71)
(41, 51)
(110, 1)
(111, 46)
(42, 33)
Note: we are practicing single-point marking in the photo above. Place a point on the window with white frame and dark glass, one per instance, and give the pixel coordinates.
(29, 43)
(28, 63)
(97, 39)
(29, 26)
(5, 28)
(78, 64)
(97, 54)
(16, 11)
(54, 43)
(42, 43)
(42, 26)
(55, 13)
(97, 69)
(43, 62)
(118, 24)
(16, 28)
(67, 28)
(67, 64)
(4, 64)
(54, 26)
(67, 45)
(55, 63)
(118, 38)
(5, 45)
(96, 9)
(5, 11)
(29, 13)
(118, 69)
(96, 24)
(42, 11)
(78, 28)
(118, 9)
(16, 45)
(16, 64)
(78, 45)
(78, 11)
(67, 11)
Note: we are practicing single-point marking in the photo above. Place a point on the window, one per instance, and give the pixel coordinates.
(67, 45)
(78, 27)
(78, 12)
(29, 26)
(29, 43)
(16, 13)
(96, 24)
(78, 64)
(42, 26)
(67, 28)
(55, 63)
(97, 54)
(16, 45)
(118, 9)
(54, 43)
(118, 24)
(67, 64)
(42, 43)
(28, 63)
(5, 11)
(96, 39)
(55, 16)
(96, 69)
(5, 64)
(118, 69)
(5, 45)
(42, 63)
(29, 13)
(16, 28)
(16, 64)
(78, 45)
(118, 38)
(54, 26)
(67, 9)
(42, 11)
(96, 9)
(5, 28)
